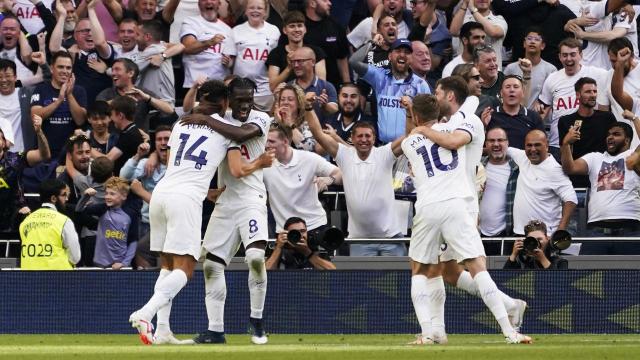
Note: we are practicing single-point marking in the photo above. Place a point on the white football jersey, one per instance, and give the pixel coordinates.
(558, 92)
(249, 189)
(439, 173)
(207, 62)
(252, 48)
(466, 120)
(195, 153)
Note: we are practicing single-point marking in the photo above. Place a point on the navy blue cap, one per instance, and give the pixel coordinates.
(401, 43)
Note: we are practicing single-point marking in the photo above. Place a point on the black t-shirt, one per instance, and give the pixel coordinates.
(593, 136)
(128, 143)
(128, 14)
(278, 57)
(92, 81)
(141, 117)
(332, 38)
(59, 125)
(336, 121)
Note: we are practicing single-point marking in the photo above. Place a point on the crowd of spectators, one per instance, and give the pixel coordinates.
(89, 90)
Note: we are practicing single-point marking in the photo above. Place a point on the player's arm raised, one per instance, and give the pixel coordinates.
(238, 167)
(325, 140)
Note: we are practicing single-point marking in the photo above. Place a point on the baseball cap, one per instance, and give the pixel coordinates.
(398, 43)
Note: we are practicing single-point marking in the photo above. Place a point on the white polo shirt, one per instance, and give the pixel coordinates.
(368, 188)
(292, 191)
(540, 192)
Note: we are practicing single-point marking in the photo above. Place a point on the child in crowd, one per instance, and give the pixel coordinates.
(100, 136)
(113, 248)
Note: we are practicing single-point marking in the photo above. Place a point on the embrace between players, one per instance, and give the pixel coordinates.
(443, 158)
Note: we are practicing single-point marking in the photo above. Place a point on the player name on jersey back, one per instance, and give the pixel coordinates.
(194, 155)
(439, 173)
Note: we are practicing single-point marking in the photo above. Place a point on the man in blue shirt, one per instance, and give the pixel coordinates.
(390, 85)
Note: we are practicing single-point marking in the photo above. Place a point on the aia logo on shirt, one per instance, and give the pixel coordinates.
(567, 103)
(255, 54)
(217, 48)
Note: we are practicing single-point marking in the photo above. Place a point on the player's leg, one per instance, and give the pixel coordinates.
(455, 275)
(253, 231)
(427, 287)
(163, 329)
(220, 244)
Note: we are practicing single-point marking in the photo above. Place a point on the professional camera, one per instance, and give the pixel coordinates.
(560, 240)
(326, 237)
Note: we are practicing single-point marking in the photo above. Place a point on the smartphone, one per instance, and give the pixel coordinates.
(577, 124)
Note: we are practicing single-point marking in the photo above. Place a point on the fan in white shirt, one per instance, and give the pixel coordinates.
(208, 45)
(558, 93)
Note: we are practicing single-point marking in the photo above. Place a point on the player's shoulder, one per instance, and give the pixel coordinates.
(259, 117)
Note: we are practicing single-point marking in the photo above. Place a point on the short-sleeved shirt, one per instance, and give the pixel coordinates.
(294, 183)
(516, 126)
(389, 90)
(92, 81)
(252, 48)
(317, 85)
(248, 190)
(614, 193)
(209, 61)
(111, 238)
(539, 73)
(540, 192)
(190, 168)
(59, 125)
(558, 92)
(332, 38)
(368, 188)
(128, 143)
(278, 57)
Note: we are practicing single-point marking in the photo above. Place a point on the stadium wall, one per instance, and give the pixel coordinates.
(350, 302)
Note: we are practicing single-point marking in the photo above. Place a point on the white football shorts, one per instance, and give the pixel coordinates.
(175, 223)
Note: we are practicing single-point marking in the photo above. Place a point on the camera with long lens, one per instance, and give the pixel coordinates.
(560, 240)
(326, 237)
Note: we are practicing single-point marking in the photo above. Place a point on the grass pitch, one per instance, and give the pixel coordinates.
(333, 347)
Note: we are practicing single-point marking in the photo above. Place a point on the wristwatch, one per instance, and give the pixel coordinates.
(474, 10)
(164, 56)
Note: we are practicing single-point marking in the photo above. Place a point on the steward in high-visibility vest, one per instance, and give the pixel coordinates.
(49, 239)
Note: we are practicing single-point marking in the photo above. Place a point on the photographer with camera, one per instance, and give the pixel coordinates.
(294, 250)
(537, 251)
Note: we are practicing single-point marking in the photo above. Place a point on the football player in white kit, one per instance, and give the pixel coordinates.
(175, 211)
(466, 134)
(240, 216)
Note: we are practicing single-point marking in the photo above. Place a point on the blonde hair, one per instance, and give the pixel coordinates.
(300, 100)
(266, 8)
(117, 183)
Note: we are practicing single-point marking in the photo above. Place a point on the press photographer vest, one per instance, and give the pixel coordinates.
(41, 234)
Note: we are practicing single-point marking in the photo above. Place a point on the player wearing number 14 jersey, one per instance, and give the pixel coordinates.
(175, 211)
(240, 214)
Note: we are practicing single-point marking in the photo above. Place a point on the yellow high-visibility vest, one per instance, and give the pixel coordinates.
(41, 234)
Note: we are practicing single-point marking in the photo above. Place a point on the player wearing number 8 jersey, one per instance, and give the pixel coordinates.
(240, 214)
(175, 211)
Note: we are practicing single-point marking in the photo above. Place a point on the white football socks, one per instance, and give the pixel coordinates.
(215, 294)
(491, 297)
(466, 283)
(437, 297)
(162, 320)
(257, 280)
(420, 299)
(164, 292)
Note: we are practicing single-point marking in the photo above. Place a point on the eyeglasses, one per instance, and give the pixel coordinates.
(414, 2)
(299, 61)
(534, 225)
(78, 137)
(533, 38)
